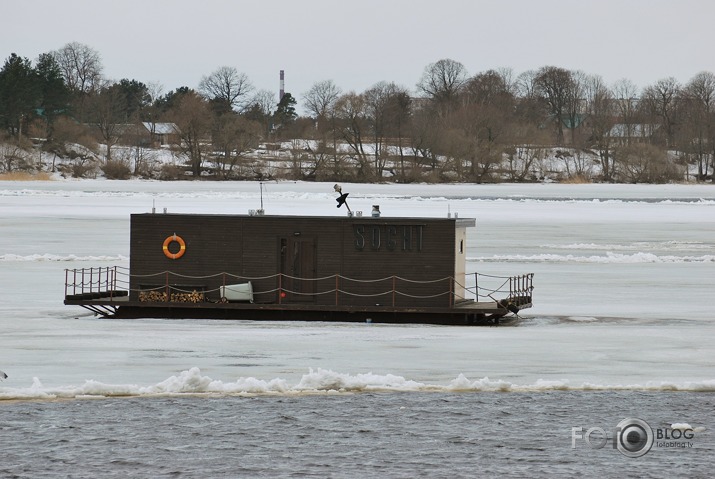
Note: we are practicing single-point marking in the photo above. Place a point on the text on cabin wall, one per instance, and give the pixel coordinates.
(388, 237)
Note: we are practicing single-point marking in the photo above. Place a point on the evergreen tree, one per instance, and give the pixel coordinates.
(172, 99)
(285, 113)
(19, 94)
(54, 94)
(135, 94)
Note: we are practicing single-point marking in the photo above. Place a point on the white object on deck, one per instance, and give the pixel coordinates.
(238, 292)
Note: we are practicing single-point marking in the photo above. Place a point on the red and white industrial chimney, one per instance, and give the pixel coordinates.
(282, 91)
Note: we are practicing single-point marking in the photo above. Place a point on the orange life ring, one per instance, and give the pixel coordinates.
(182, 247)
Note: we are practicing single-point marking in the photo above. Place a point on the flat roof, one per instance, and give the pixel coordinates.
(464, 222)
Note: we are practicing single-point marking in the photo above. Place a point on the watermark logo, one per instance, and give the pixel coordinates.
(633, 437)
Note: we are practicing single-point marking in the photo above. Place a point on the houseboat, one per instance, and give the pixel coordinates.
(313, 268)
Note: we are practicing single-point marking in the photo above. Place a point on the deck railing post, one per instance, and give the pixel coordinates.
(337, 289)
(280, 287)
(531, 278)
(168, 294)
(451, 291)
(476, 287)
(394, 287)
(517, 286)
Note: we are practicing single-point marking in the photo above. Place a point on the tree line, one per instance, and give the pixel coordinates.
(491, 126)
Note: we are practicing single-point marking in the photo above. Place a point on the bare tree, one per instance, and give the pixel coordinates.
(317, 158)
(486, 88)
(530, 110)
(399, 123)
(228, 88)
(526, 85)
(555, 86)
(601, 110)
(699, 118)
(377, 100)
(525, 163)
(234, 136)
(508, 79)
(625, 95)
(484, 118)
(81, 68)
(193, 118)
(442, 81)
(575, 104)
(351, 113)
(261, 108)
(659, 101)
(107, 108)
(321, 98)
(266, 102)
(427, 138)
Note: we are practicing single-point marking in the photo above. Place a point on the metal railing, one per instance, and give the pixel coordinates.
(92, 280)
(520, 287)
(115, 281)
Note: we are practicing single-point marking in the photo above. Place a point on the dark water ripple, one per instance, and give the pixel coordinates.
(400, 435)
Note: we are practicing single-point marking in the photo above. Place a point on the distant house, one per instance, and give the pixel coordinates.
(162, 134)
(147, 134)
(576, 128)
(628, 133)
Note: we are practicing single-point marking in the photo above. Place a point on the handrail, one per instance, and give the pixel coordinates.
(116, 280)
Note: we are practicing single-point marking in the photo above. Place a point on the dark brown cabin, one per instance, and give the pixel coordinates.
(295, 260)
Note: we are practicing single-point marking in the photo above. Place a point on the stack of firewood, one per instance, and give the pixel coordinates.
(160, 296)
(192, 297)
(152, 296)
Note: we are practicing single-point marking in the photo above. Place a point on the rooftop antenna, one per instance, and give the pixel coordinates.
(261, 212)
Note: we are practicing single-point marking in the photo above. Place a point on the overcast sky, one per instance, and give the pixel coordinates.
(359, 43)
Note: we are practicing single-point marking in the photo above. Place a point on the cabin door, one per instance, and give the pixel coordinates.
(298, 265)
